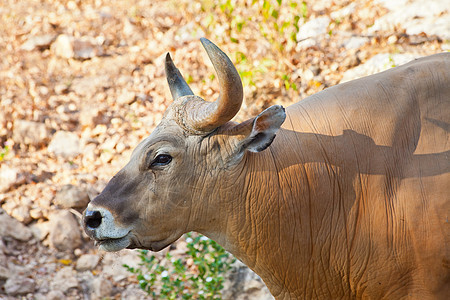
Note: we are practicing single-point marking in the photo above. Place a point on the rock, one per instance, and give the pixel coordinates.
(30, 133)
(355, 42)
(12, 228)
(110, 143)
(19, 285)
(187, 33)
(4, 273)
(126, 97)
(61, 89)
(64, 280)
(63, 46)
(411, 15)
(106, 157)
(87, 262)
(132, 292)
(84, 49)
(39, 42)
(8, 177)
(89, 154)
(55, 295)
(69, 47)
(242, 283)
(64, 231)
(2, 249)
(343, 12)
(378, 63)
(310, 31)
(36, 213)
(65, 144)
(112, 264)
(90, 117)
(101, 288)
(40, 230)
(22, 214)
(70, 196)
(89, 85)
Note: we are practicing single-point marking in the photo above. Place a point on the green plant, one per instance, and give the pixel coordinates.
(391, 62)
(198, 275)
(4, 152)
(273, 22)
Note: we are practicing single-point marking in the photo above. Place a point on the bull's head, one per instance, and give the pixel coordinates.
(179, 177)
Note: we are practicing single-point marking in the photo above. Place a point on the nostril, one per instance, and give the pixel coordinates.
(93, 219)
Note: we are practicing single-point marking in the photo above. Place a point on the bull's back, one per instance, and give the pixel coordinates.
(386, 140)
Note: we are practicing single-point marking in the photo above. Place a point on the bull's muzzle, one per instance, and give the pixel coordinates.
(100, 225)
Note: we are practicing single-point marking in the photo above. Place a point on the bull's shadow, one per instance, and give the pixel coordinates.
(358, 153)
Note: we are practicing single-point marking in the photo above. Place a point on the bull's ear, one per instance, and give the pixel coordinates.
(263, 129)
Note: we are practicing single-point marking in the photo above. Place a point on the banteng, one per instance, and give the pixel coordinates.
(343, 195)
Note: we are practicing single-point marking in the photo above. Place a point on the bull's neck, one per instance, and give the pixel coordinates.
(256, 212)
(265, 216)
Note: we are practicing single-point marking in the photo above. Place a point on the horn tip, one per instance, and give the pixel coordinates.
(207, 43)
(169, 65)
(168, 57)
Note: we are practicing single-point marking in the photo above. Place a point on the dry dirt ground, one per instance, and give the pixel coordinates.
(82, 82)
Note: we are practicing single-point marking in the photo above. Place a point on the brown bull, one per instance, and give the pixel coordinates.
(350, 200)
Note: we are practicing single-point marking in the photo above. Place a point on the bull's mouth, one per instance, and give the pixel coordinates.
(158, 245)
(149, 244)
(130, 241)
(113, 244)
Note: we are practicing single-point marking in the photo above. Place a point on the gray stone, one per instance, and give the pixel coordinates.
(90, 117)
(344, 12)
(65, 144)
(12, 228)
(439, 26)
(71, 196)
(30, 133)
(101, 288)
(90, 85)
(311, 30)
(40, 230)
(64, 231)
(242, 283)
(126, 97)
(378, 63)
(5, 273)
(39, 42)
(22, 214)
(84, 49)
(355, 42)
(19, 285)
(61, 88)
(113, 264)
(36, 213)
(64, 280)
(69, 47)
(132, 292)
(55, 295)
(87, 262)
(63, 47)
(187, 33)
(8, 177)
(416, 17)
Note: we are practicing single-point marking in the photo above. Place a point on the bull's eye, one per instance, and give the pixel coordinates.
(161, 160)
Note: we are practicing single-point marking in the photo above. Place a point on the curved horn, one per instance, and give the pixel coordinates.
(207, 116)
(178, 86)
